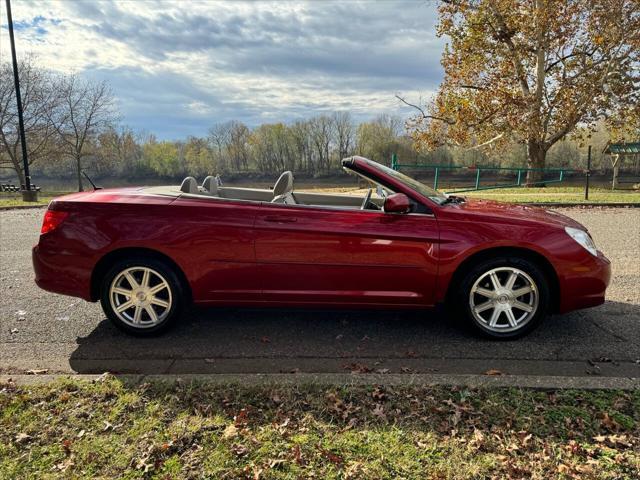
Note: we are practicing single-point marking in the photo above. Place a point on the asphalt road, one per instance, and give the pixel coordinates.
(40, 330)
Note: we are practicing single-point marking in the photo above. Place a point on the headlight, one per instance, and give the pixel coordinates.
(583, 239)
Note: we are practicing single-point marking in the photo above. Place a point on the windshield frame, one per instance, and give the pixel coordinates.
(408, 182)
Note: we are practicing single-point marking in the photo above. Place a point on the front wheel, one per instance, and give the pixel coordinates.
(142, 296)
(504, 298)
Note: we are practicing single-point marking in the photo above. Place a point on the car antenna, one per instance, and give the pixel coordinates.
(90, 181)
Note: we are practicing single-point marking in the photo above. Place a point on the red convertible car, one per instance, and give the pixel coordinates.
(146, 253)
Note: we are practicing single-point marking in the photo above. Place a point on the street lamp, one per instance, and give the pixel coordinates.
(28, 195)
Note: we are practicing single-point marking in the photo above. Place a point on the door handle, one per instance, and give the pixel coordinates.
(280, 219)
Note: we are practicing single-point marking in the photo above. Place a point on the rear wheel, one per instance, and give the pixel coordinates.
(504, 298)
(142, 296)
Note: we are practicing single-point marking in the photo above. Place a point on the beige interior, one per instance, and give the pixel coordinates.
(210, 190)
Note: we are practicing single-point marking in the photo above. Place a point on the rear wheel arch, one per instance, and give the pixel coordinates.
(540, 260)
(103, 265)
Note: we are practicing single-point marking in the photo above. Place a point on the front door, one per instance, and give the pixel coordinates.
(310, 254)
(214, 242)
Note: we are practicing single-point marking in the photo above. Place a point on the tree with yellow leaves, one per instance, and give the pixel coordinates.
(533, 71)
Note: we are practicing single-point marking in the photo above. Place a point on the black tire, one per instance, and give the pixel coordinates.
(174, 294)
(462, 301)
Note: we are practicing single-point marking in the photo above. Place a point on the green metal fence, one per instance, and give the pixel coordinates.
(520, 173)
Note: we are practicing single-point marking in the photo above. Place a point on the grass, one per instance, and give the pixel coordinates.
(107, 429)
(557, 194)
(571, 195)
(15, 199)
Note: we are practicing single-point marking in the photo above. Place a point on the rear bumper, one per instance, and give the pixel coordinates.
(61, 273)
(584, 284)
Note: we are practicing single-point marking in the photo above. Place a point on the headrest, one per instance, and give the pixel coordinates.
(210, 185)
(189, 185)
(284, 184)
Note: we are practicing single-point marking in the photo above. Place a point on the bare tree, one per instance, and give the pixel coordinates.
(321, 131)
(219, 138)
(84, 110)
(344, 131)
(238, 146)
(39, 92)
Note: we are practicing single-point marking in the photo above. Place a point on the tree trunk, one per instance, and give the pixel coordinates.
(21, 178)
(536, 158)
(79, 173)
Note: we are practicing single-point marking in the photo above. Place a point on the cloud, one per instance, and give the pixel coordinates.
(177, 70)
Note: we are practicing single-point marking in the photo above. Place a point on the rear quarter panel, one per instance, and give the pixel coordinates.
(211, 242)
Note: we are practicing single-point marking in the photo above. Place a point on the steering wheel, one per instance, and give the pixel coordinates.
(365, 202)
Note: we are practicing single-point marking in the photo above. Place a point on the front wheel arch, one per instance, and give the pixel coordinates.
(103, 265)
(469, 263)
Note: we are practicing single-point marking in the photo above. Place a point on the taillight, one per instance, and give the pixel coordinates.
(52, 220)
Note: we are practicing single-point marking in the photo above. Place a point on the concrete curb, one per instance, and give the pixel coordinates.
(340, 379)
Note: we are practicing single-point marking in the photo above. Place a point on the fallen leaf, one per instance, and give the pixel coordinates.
(241, 418)
(332, 457)
(378, 411)
(22, 437)
(66, 446)
(230, 432)
(357, 368)
(378, 394)
(297, 455)
(239, 450)
(37, 371)
(493, 372)
(265, 340)
(525, 437)
(609, 422)
(276, 463)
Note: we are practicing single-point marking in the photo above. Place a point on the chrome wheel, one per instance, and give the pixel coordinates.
(504, 299)
(140, 297)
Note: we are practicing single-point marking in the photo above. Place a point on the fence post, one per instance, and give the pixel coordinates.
(588, 174)
(394, 161)
(477, 178)
(519, 177)
(435, 179)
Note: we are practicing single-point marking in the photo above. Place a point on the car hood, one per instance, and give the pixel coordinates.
(506, 212)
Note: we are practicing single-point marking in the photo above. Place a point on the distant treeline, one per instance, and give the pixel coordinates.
(312, 148)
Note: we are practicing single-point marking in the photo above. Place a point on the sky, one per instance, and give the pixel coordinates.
(177, 67)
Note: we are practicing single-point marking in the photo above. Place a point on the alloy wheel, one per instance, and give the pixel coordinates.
(504, 299)
(140, 297)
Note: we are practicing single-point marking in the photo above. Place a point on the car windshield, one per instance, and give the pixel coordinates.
(412, 183)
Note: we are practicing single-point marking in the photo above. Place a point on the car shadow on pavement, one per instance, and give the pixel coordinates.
(326, 341)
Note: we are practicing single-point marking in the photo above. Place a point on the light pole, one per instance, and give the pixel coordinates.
(27, 194)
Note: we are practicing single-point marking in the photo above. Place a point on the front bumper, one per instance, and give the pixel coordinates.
(584, 284)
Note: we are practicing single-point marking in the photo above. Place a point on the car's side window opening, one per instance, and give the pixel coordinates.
(368, 197)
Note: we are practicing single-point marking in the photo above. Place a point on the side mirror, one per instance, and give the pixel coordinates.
(397, 203)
